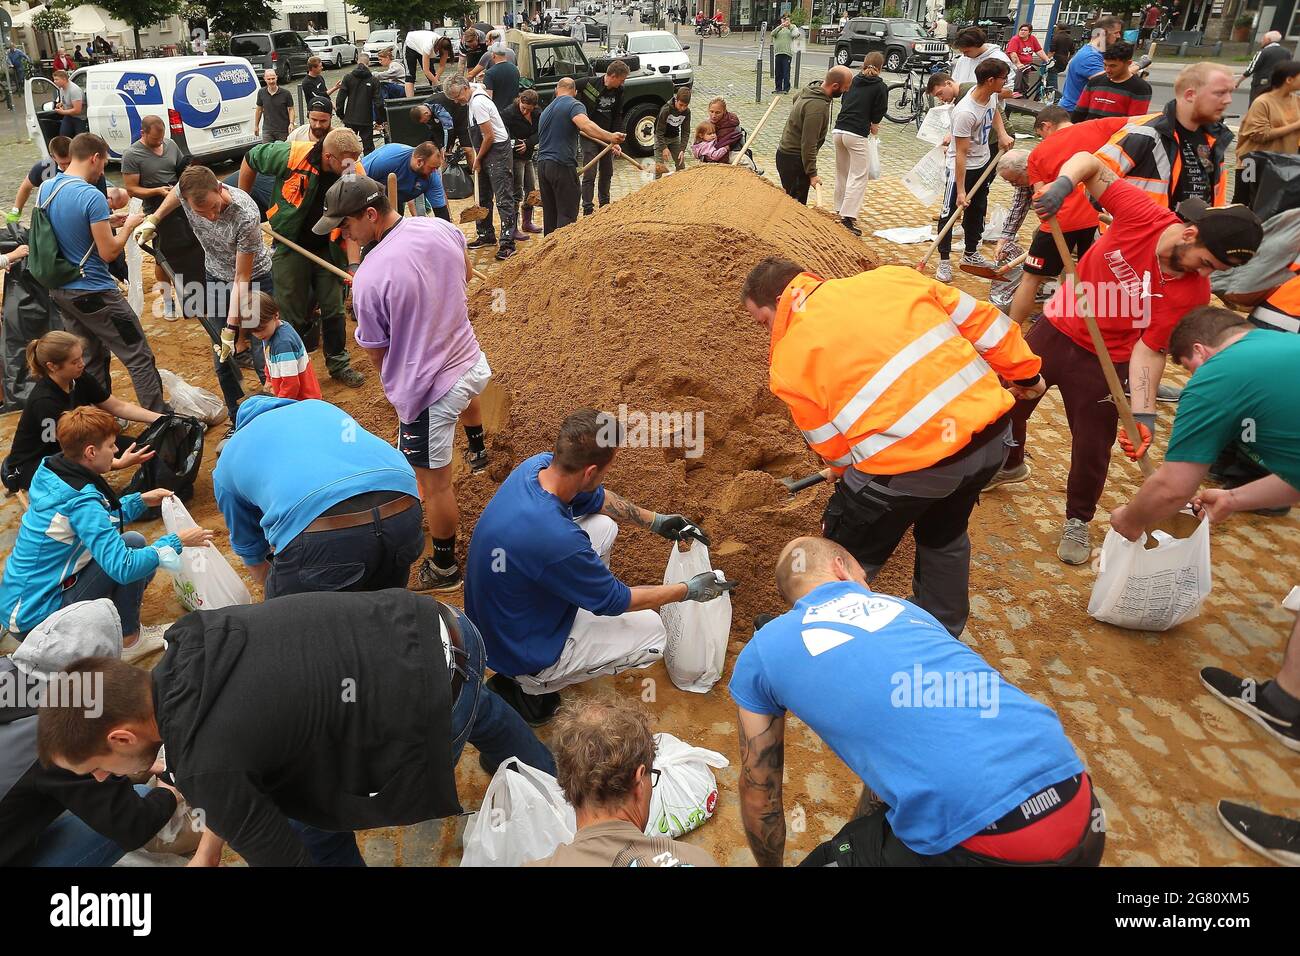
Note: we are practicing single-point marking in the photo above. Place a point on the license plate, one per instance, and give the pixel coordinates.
(231, 130)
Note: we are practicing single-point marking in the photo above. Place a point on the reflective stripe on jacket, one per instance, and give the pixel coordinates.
(1145, 153)
(890, 371)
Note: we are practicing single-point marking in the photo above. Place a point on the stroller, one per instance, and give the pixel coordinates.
(747, 160)
(28, 314)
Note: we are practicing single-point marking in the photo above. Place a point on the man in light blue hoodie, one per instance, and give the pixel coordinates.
(71, 546)
(314, 502)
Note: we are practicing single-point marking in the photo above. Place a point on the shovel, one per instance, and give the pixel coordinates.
(796, 485)
(996, 272)
(956, 213)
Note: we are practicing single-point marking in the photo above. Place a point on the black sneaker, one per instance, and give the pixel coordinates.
(1277, 838)
(349, 377)
(504, 253)
(535, 709)
(477, 460)
(430, 577)
(482, 241)
(1246, 695)
(851, 225)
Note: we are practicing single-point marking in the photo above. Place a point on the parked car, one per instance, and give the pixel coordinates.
(207, 103)
(596, 31)
(334, 49)
(452, 33)
(383, 39)
(281, 50)
(660, 52)
(899, 40)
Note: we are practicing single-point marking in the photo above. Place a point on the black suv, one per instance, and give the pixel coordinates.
(899, 41)
(284, 51)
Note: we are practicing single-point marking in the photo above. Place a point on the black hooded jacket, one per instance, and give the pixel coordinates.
(863, 105)
(357, 95)
(330, 709)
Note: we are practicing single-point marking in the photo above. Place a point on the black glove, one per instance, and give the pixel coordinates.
(1049, 202)
(677, 527)
(705, 586)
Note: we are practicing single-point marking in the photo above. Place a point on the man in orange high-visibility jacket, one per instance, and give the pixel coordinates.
(893, 379)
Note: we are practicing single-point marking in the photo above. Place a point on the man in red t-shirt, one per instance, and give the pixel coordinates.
(1023, 49)
(1140, 277)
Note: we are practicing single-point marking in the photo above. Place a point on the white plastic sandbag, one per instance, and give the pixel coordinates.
(996, 220)
(686, 794)
(697, 631)
(926, 179)
(1156, 589)
(873, 157)
(135, 264)
(936, 125)
(524, 817)
(192, 401)
(206, 580)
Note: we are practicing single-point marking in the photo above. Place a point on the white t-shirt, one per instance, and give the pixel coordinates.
(483, 110)
(421, 41)
(963, 71)
(973, 120)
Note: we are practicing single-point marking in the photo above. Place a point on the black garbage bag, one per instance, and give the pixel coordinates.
(178, 446)
(28, 314)
(1277, 187)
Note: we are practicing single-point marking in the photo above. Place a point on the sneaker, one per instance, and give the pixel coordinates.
(535, 709)
(1045, 292)
(977, 258)
(1076, 542)
(430, 577)
(149, 642)
(477, 460)
(481, 241)
(1010, 476)
(1002, 299)
(1168, 393)
(504, 253)
(943, 272)
(1277, 838)
(851, 225)
(1245, 695)
(349, 377)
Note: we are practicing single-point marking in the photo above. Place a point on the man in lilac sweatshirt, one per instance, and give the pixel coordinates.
(413, 321)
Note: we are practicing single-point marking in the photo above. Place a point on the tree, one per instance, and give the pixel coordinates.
(51, 20)
(139, 14)
(239, 16)
(412, 14)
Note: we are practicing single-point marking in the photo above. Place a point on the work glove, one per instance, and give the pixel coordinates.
(677, 527)
(227, 347)
(13, 215)
(1049, 202)
(1146, 424)
(705, 586)
(145, 231)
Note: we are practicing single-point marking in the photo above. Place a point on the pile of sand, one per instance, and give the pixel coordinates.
(637, 308)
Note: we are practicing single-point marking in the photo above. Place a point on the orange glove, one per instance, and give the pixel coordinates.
(1144, 432)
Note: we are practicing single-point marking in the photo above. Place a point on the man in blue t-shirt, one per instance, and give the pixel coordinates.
(92, 305)
(1089, 61)
(970, 769)
(557, 154)
(538, 584)
(417, 174)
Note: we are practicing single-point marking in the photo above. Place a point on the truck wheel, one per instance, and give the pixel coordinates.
(640, 129)
(893, 61)
(842, 56)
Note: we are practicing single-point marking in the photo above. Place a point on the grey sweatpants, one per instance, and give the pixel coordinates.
(110, 326)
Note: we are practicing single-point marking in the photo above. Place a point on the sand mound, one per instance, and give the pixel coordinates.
(635, 310)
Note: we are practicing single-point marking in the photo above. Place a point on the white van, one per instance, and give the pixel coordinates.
(207, 103)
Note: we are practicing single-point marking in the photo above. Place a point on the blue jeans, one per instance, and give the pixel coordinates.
(93, 583)
(478, 716)
(212, 313)
(69, 841)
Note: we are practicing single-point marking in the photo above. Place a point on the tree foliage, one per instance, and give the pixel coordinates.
(412, 14)
(240, 16)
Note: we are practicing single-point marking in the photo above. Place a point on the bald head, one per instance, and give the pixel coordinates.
(838, 80)
(807, 563)
(566, 86)
(1272, 36)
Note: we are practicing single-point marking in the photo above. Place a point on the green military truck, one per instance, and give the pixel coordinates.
(544, 60)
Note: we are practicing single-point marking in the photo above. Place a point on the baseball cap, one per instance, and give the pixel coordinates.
(347, 197)
(319, 104)
(1231, 233)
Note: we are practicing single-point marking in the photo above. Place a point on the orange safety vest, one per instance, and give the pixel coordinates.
(889, 371)
(297, 177)
(1281, 310)
(1154, 169)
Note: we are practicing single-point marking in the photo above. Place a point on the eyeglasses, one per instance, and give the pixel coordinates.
(654, 779)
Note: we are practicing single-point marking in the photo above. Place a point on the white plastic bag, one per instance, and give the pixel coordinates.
(873, 157)
(936, 125)
(1152, 590)
(524, 817)
(996, 220)
(192, 401)
(206, 580)
(135, 265)
(926, 179)
(686, 794)
(697, 631)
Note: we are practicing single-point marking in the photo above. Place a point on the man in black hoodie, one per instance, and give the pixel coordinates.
(858, 122)
(294, 722)
(356, 103)
(603, 99)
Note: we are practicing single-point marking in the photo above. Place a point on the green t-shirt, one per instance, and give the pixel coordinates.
(783, 39)
(1248, 394)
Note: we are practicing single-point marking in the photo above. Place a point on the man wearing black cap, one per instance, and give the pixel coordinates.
(320, 115)
(1141, 277)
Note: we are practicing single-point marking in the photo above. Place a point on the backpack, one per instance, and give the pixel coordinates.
(45, 261)
(178, 454)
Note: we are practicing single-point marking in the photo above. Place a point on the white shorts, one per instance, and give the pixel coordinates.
(427, 442)
(599, 646)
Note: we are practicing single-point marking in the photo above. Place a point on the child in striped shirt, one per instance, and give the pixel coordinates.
(288, 368)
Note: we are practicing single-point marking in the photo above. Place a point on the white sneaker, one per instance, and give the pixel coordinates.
(149, 642)
(978, 258)
(943, 273)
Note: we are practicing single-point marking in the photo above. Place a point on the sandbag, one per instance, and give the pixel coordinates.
(29, 313)
(1156, 589)
(1271, 265)
(686, 794)
(456, 183)
(873, 157)
(697, 631)
(524, 817)
(192, 401)
(205, 580)
(178, 446)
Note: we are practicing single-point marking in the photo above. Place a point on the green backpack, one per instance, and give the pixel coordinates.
(44, 259)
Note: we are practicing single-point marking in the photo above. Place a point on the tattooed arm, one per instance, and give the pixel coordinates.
(1087, 170)
(620, 509)
(1145, 367)
(762, 759)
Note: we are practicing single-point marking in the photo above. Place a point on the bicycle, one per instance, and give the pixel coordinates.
(908, 102)
(1044, 88)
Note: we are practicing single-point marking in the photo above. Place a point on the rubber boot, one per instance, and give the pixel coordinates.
(519, 234)
(528, 221)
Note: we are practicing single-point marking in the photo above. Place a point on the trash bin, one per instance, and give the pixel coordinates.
(401, 128)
